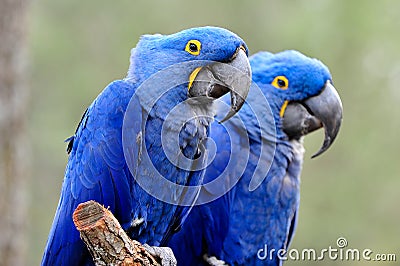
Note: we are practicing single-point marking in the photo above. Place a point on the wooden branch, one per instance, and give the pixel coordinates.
(106, 240)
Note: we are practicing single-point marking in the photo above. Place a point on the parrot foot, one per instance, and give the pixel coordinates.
(213, 261)
(164, 253)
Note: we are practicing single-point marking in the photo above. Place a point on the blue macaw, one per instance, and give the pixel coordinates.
(109, 154)
(260, 210)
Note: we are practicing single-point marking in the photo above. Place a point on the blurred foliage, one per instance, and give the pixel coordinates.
(78, 47)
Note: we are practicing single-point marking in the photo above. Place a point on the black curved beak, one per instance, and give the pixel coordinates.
(215, 80)
(323, 110)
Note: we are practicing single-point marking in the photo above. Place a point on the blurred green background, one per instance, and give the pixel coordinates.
(352, 191)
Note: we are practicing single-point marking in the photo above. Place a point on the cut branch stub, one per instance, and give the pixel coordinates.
(106, 240)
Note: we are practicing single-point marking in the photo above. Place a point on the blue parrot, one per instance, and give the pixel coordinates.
(258, 212)
(118, 156)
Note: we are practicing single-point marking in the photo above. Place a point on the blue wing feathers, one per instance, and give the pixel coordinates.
(95, 171)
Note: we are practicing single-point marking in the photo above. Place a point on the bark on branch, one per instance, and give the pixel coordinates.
(106, 240)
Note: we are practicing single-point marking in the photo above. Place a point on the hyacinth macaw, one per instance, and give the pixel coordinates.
(126, 121)
(261, 209)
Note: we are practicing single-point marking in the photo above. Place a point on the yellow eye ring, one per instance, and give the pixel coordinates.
(193, 47)
(280, 82)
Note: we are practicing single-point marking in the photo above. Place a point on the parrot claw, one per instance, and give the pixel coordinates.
(164, 253)
(213, 261)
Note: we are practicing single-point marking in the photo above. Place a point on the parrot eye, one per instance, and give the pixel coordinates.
(193, 47)
(280, 82)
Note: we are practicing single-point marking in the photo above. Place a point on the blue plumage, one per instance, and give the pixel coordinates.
(101, 164)
(261, 209)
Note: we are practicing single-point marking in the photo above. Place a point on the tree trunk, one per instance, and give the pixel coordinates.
(13, 142)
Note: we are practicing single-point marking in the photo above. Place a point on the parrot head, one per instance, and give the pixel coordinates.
(301, 92)
(214, 61)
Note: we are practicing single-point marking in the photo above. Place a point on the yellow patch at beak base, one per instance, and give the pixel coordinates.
(283, 108)
(192, 76)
